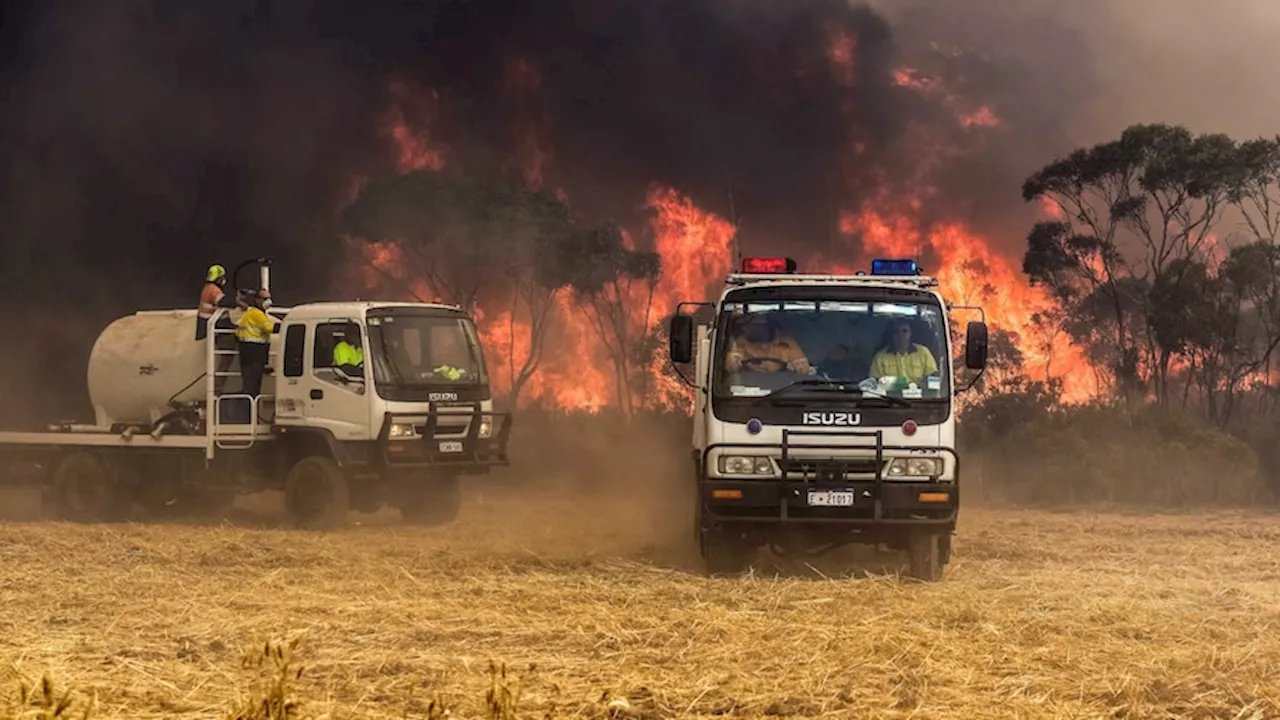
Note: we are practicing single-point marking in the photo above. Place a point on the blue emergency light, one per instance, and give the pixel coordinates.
(881, 266)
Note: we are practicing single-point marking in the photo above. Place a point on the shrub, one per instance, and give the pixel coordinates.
(1030, 453)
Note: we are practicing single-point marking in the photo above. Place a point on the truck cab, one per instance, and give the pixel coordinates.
(402, 416)
(824, 413)
(416, 358)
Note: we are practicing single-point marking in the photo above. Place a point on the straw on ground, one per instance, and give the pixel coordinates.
(1040, 615)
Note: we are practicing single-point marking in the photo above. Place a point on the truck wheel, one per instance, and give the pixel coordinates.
(316, 494)
(85, 490)
(723, 554)
(925, 556)
(435, 501)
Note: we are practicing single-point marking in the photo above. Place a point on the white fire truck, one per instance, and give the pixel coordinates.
(824, 413)
(400, 428)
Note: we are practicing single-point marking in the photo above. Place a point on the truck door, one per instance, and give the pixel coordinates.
(331, 400)
(291, 386)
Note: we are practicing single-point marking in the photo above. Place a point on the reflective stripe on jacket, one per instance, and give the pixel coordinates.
(209, 298)
(255, 326)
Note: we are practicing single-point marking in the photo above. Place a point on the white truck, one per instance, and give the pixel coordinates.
(813, 427)
(399, 429)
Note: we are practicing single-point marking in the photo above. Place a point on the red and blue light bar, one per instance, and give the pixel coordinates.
(768, 265)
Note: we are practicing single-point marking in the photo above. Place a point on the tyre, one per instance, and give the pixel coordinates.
(432, 501)
(84, 489)
(723, 554)
(316, 494)
(925, 554)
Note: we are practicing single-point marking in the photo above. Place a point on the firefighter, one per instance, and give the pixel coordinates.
(901, 358)
(212, 297)
(761, 346)
(254, 336)
(348, 353)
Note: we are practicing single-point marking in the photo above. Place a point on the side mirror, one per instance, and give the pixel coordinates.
(975, 346)
(681, 339)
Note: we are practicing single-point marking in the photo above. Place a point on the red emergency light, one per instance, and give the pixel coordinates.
(768, 265)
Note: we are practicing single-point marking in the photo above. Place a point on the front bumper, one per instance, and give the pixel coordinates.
(864, 499)
(431, 449)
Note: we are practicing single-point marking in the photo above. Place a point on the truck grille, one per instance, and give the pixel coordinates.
(807, 470)
(447, 427)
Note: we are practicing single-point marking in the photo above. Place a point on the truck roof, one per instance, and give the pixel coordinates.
(742, 280)
(362, 306)
(337, 308)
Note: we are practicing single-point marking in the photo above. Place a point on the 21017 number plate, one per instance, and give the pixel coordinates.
(831, 498)
(451, 446)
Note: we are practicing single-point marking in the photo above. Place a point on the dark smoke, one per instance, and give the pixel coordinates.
(142, 141)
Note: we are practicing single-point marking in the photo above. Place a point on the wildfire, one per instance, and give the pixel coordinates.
(410, 111)
(523, 81)
(575, 371)
(970, 273)
(970, 118)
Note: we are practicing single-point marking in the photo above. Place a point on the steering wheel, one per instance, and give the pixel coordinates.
(752, 363)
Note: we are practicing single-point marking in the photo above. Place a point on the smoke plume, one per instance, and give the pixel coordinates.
(142, 141)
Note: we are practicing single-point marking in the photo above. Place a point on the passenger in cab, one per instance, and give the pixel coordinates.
(449, 355)
(903, 358)
(348, 353)
(759, 345)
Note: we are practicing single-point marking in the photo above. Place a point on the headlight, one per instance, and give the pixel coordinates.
(486, 428)
(399, 431)
(745, 465)
(915, 467)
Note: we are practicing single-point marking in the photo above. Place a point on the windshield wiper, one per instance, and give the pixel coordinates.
(844, 387)
(812, 383)
(900, 402)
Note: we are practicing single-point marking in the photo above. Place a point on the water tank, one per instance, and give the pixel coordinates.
(141, 361)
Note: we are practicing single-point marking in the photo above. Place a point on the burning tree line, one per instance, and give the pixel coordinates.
(1159, 256)
(1141, 276)
(1162, 258)
(491, 242)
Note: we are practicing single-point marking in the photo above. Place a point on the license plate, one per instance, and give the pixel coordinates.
(451, 446)
(831, 498)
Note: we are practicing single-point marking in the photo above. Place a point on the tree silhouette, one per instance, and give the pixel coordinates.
(609, 280)
(471, 236)
(1136, 214)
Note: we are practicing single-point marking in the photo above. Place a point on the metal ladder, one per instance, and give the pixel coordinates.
(233, 435)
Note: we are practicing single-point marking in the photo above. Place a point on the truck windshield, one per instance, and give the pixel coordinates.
(894, 348)
(411, 350)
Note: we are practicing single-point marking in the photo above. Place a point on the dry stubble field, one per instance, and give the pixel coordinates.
(1041, 615)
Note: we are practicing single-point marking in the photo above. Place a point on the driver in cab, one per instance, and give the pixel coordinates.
(348, 354)
(903, 358)
(759, 345)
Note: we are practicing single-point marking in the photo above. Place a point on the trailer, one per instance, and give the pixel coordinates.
(401, 429)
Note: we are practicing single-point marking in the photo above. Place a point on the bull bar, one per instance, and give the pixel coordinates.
(473, 450)
(874, 490)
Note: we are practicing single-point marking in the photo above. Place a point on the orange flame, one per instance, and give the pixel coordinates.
(970, 273)
(576, 371)
(410, 111)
